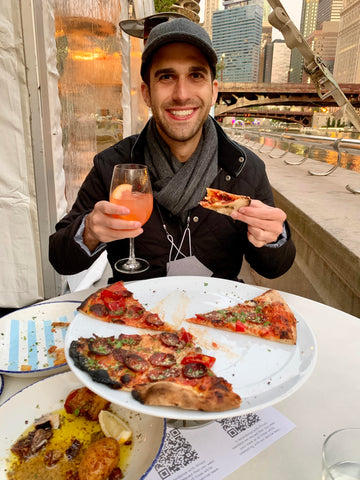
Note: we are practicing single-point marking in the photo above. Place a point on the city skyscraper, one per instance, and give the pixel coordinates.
(277, 62)
(307, 27)
(323, 42)
(328, 11)
(237, 39)
(210, 6)
(266, 37)
(347, 59)
(309, 17)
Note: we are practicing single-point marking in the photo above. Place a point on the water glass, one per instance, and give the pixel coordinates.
(341, 455)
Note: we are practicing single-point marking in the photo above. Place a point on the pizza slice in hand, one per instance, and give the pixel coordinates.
(116, 304)
(163, 369)
(223, 202)
(266, 316)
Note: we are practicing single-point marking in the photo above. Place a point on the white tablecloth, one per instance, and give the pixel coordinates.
(329, 400)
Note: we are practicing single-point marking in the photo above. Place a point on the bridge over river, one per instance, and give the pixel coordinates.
(240, 99)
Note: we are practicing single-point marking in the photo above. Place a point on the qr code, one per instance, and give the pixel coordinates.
(176, 453)
(235, 425)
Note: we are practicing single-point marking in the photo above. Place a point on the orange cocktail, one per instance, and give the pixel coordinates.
(139, 204)
(131, 187)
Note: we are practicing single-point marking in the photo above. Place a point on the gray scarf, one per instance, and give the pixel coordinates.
(180, 186)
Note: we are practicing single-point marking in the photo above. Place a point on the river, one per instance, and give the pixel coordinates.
(350, 162)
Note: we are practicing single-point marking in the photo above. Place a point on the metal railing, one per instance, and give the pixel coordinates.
(251, 138)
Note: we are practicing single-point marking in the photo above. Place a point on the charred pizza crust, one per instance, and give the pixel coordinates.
(116, 304)
(165, 369)
(211, 394)
(266, 316)
(223, 202)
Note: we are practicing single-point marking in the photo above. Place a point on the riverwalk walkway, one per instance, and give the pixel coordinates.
(325, 221)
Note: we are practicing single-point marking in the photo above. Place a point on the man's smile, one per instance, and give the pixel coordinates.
(182, 113)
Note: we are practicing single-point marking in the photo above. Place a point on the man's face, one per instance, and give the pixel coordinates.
(180, 92)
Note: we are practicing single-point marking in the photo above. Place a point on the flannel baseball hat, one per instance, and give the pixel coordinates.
(178, 30)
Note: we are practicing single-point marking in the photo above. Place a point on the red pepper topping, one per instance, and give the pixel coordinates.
(240, 327)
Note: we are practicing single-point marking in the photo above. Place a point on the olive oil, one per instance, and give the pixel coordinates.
(71, 427)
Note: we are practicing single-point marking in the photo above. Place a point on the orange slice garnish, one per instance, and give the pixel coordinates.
(121, 189)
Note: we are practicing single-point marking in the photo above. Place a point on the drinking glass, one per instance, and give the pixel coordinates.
(341, 455)
(131, 188)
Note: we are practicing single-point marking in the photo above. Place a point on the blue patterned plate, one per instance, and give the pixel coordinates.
(26, 335)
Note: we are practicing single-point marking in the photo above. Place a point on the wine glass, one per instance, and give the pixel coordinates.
(131, 188)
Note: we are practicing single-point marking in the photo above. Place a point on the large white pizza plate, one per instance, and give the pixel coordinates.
(262, 372)
(49, 394)
(27, 334)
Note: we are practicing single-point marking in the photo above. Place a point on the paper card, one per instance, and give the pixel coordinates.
(213, 451)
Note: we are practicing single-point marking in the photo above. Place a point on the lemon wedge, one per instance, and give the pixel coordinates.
(112, 426)
(121, 189)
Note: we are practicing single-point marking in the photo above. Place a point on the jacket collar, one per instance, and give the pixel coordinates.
(231, 156)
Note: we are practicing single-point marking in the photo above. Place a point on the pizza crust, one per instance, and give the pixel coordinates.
(227, 209)
(217, 398)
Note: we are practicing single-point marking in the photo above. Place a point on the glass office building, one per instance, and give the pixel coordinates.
(237, 40)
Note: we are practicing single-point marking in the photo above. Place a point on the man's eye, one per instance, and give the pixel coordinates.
(165, 76)
(197, 75)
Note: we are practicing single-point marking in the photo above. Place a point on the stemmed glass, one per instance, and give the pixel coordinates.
(131, 188)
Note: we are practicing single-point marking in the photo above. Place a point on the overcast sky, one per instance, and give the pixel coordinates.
(293, 9)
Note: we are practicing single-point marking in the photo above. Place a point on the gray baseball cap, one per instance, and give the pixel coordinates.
(179, 30)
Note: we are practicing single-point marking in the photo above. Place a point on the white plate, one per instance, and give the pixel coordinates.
(49, 394)
(27, 334)
(262, 372)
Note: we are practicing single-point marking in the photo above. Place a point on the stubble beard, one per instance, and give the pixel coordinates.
(179, 133)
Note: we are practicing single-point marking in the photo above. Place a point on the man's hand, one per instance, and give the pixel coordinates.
(102, 226)
(265, 223)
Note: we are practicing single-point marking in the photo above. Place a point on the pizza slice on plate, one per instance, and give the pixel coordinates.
(116, 304)
(163, 369)
(267, 316)
(223, 202)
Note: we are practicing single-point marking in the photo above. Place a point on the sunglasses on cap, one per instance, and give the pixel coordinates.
(142, 27)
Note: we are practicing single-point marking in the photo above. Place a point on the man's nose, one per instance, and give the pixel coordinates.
(182, 90)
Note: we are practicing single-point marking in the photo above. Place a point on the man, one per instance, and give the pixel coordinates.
(185, 151)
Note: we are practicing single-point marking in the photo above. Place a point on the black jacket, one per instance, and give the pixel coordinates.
(218, 241)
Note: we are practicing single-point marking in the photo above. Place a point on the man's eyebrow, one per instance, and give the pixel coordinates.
(172, 71)
(199, 68)
(163, 71)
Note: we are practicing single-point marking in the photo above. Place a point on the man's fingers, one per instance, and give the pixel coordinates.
(106, 215)
(259, 237)
(104, 225)
(257, 243)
